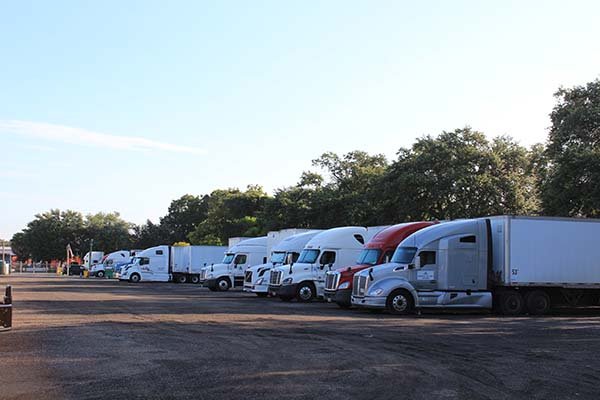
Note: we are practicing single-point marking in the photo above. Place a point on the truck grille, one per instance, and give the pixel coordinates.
(332, 280)
(359, 287)
(275, 278)
(248, 276)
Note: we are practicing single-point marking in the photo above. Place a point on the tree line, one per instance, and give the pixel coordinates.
(455, 174)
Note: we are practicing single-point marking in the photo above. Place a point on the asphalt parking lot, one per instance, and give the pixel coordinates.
(90, 338)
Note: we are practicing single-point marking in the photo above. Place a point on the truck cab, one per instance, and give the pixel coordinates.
(230, 272)
(327, 251)
(443, 265)
(378, 250)
(148, 265)
(109, 262)
(256, 278)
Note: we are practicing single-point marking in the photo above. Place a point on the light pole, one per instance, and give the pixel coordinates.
(3, 259)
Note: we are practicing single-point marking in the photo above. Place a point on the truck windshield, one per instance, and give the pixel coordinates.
(136, 260)
(228, 258)
(404, 255)
(308, 256)
(369, 256)
(278, 257)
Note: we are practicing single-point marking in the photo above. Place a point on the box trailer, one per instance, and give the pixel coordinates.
(188, 261)
(514, 264)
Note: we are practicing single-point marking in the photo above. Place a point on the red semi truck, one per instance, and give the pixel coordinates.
(379, 250)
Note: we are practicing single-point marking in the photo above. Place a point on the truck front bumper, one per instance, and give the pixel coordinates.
(273, 290)
(342, 296)
(369, 301)
(288, 290)
(256, 288)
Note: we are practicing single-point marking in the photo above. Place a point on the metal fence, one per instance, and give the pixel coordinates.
(39, 267)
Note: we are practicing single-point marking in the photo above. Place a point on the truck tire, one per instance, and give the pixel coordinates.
(511, 303)
(305, 292)
(134, 278)
(195, 279)
(100, 274)
(537, 302)
(400, 302)
(223, 284)
(181, 278)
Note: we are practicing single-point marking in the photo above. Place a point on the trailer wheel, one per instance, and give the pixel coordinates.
(195, 279)
(305, 292)
(400, 302)
(181, 279)
(100, 274)
(511, 303)
(134, 278)
(223, 284)
(538, 302)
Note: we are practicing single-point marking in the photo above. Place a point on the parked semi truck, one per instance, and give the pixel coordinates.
(514, 264)
(164, 263)
(96, 257)
(287, 251)
(230, 272)
(111, 260)
(378, 250)
(330, 249)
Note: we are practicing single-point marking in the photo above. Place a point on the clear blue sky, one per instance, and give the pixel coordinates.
(126, 105)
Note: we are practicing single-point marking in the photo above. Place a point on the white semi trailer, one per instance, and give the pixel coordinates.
(513, 264)
(326, 251)
(164, 263)
(286, 251)
(188, 261)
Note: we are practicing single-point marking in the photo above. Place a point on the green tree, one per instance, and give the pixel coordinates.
(183, 216)
(458, 174)
(108, 230)
(571, 185)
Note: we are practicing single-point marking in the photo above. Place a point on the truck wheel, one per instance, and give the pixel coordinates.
(100, 274)
(195, 279)
(134, 278)
(400, 302)
(305, 292)
(181, 279)
(538, 302)
(223, 284)
(511, 303)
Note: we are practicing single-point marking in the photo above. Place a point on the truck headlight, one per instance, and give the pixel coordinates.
(376, 292)
(260, 281)
(344, 285)
(287, 281)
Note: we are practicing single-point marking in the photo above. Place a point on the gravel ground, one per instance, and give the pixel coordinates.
(94, 339)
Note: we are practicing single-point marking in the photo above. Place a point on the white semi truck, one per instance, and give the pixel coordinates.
(164, 263)
(326, 251)
(287, 251)
(229, 273)
(509, 263)
(109, 261)
(96, 257)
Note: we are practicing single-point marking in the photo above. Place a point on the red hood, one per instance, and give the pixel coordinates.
(350, 271)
